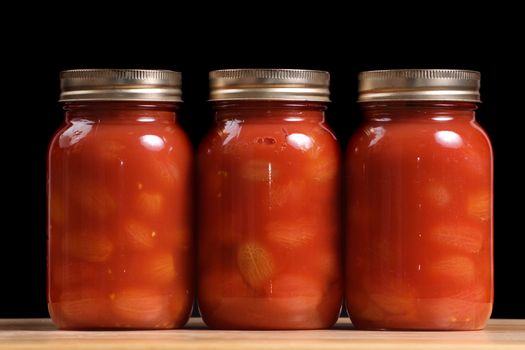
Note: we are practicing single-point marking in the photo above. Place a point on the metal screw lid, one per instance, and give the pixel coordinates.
(269, 84)
(419, 85)
(120, 85)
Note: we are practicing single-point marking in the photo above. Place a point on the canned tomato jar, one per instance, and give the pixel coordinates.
(119, 237)
(419, 215)
(268, 175)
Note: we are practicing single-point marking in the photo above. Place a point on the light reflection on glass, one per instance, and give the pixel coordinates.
(152, 142)
(293, 119)
(75, 133)
(442, 119)
(232, 128)
(448, 139)
(145, 119)
(270, 174)
(377, 133)
(298, 141)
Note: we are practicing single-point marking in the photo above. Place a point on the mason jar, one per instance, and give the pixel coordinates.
(119, 172)
(419, 213)
(268, 176)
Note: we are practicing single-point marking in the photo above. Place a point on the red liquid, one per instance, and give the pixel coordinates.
(419, 247)
(120, 244)
(269, 241)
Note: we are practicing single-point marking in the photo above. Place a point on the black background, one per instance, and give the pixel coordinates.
(30, 113)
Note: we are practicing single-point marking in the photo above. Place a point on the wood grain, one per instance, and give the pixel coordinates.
(41, 334)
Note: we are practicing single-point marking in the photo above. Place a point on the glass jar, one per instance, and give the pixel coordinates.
(119, 236)
(268, 175)
(419, 176)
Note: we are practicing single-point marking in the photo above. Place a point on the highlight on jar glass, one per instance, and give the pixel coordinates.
(119, 171)
(268, 176)
(419, 214)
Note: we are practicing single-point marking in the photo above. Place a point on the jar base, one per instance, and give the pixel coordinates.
(267, 314)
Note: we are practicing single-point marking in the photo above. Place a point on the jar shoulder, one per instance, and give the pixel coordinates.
(389, 136)
(83, 134)
(238, 137)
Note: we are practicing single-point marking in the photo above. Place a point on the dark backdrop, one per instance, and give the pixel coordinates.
(30, 113)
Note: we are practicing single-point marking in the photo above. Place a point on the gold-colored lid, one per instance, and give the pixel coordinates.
(120, 85)
(419, 85)
(270, 84)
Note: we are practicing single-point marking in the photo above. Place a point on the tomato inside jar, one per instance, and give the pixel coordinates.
(268, 175)
(419, 215)
(119, 235)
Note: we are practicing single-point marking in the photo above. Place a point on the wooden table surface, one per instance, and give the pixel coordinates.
(41, 334)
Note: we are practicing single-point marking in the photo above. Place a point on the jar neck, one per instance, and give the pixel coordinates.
(422, 110)
(268, 111)
(122, 111)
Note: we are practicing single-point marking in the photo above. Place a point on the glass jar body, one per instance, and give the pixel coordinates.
(269, 246)
(119, 218)
(419, 218)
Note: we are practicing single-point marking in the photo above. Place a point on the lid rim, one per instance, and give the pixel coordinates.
(419, 85)
(269, 84)
(120, 85)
